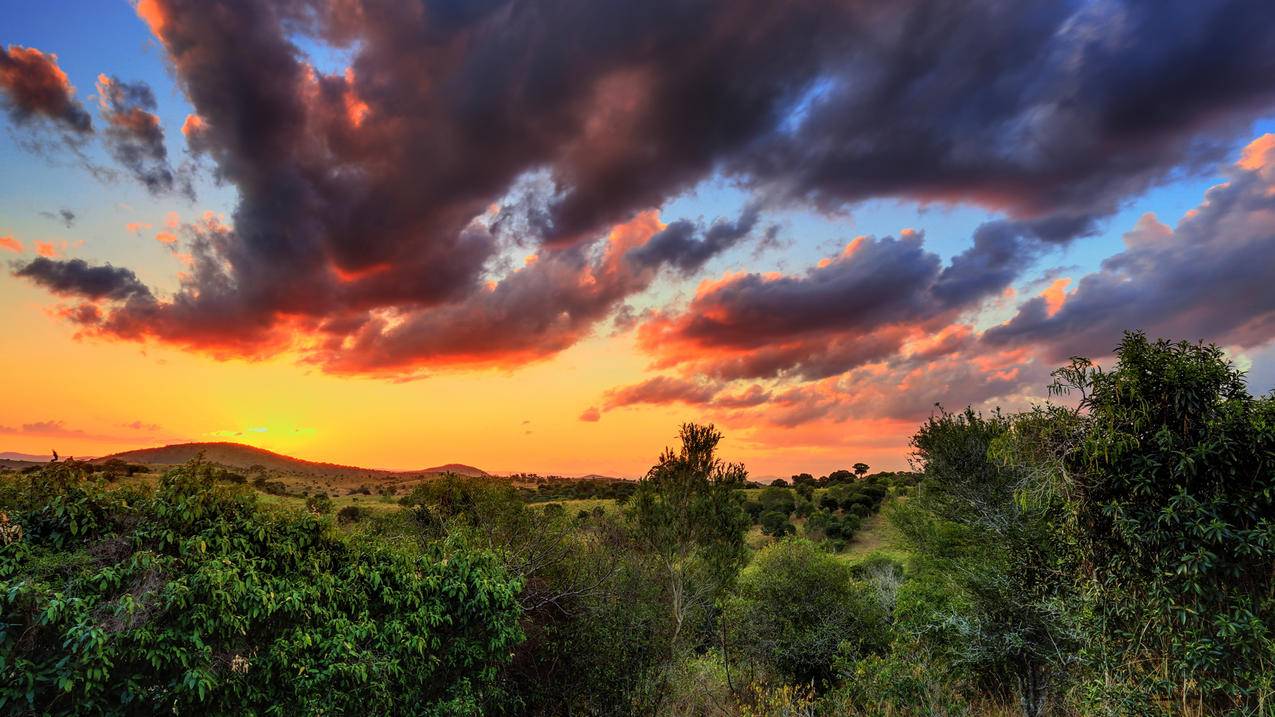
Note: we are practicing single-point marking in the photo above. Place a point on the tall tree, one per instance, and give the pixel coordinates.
(1175, 519)
(989, 527)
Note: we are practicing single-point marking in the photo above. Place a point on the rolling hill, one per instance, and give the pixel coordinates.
(25, 457)
(237, 455)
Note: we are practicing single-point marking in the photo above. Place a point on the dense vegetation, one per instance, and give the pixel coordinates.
(1110, 556)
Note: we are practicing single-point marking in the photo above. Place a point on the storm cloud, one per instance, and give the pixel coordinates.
(75, 277)
(1208, 277)
(375, 202)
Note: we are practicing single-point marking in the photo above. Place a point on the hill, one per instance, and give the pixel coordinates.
(237, 455)
(25, 457)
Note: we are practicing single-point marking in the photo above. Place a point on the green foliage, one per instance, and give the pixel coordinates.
(796, 608)
(687, 515)
(1175, 510)
(778, 499)
(349, 514)
(775, 524)
(319, 504)
(995, 534)
(192, 598)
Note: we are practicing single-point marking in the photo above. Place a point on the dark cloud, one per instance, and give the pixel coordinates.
(1207, 278)
(75, 277)
(678, 247)
(134, 136)
(378, 225)
(65, 216)
(35, 87)
(856, 308)
(1042, 110)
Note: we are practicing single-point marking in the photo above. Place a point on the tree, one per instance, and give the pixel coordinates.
(777, 499)
(1174, 510)
(796, 608)
(990, 529)
(860, 469)
(775, 523)
(687, 515)
(801, 479)
(190, 597)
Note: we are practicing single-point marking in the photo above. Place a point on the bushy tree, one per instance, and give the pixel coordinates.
(796, 608)
(688, 516)
(994, 534)
(774, 498)
(775, 524)
(1175, 517)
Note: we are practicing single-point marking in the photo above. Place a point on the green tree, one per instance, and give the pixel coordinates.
(687, 515)
(796, 608)
(994, 534)
(775, 523)
(860, 469)
(777, 499)
(1175, 513)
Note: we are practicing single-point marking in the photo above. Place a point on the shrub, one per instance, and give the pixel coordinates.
(796, 608)
(190, 598)
(777, 499)
(319, 504)
(776, 524)
(1175, 510)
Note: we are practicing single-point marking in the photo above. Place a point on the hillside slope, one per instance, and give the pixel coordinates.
(237, 455)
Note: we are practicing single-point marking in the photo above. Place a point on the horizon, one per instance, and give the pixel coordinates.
(443, 237)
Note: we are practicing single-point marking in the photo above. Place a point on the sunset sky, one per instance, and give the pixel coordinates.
(536, 236)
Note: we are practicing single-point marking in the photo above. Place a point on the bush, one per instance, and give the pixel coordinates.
(319, 504)
(776, 524)
(777, 499)
(349, 514)
(796, 608)
(189, 598)
(1176, 509)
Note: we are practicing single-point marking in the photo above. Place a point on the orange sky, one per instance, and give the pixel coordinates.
(501, 421)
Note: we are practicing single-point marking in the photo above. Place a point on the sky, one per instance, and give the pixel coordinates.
(536, 236)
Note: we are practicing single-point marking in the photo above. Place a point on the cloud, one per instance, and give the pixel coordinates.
(854, 308)
(134, 136)
(660, 390)
(75, 277)
(1207, 277)
(677, 247)
(591, 414)
(365, 235)
(1041, 112)
(49, 249)
(35, 87)
(8, 243)
(65, 216)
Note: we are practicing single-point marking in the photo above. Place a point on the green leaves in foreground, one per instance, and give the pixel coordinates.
(192, 598)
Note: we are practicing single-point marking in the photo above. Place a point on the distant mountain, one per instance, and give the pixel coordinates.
(28, 457)
(237, 455)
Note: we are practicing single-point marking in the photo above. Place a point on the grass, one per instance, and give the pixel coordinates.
(574, 506)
